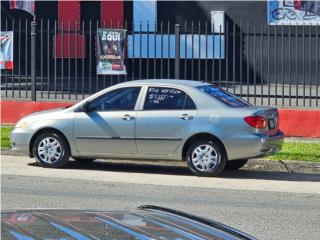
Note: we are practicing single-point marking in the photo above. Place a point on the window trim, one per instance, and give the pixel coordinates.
(115, 89)
(166, 86)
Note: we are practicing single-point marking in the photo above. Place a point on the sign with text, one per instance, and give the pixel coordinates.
(110, 49)
(6, 50)
(293, 12)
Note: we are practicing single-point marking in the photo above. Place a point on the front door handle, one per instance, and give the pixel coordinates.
(186, 117)
(127, 117)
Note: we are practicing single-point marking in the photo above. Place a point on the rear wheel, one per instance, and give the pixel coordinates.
(206, 158)
(236, 164)
(51, 150)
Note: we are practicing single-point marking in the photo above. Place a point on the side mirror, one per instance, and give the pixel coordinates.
(85, 106)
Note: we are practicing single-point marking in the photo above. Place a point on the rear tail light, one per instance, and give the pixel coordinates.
(256, 121)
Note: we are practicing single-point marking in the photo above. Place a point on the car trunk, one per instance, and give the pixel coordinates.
(271, 116)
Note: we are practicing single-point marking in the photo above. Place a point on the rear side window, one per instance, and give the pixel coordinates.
(224, 96)
(161, 98)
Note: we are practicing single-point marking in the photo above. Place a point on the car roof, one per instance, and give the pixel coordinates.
(180, 82)
(149, 222)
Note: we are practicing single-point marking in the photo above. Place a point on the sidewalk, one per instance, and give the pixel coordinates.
(252, 165)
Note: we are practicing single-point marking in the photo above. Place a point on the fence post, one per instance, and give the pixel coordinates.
(33, 61)
(177, 51)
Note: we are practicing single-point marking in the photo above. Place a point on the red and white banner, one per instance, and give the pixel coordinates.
(6, 50)
(25, 5)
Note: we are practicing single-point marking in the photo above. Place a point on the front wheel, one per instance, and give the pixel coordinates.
(236, 164)
(51, 150)
(206, 158)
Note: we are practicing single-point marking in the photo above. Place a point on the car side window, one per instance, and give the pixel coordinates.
(116, 100)
(162, 98)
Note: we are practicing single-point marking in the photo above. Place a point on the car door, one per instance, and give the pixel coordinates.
(162, 123)
(108, 124)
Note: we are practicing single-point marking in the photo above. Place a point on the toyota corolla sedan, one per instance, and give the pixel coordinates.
(191, 121)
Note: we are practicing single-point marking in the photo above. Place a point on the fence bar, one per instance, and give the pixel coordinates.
(227, 55)
(268, 65)
(310, 65)
(6, 72)
(33, 61)
(161, 61)
(62, 60)
(41, 57)
(254, 64)
(206, 60)
(185, 50)
(240, 55)
(147, 65)
(177, 52)
(261, 63)
(76, 63)
(155, 51)
(192, 49)
(12, 72)
(69, 61)
(48, 58)
(90, 50)
(317, 64)
(248, 59)
(55, 59)
(289, 67)
(19, 60)
(234, 57)
(26, 58)
(168, 63)
(82, 79)
(199, 57)
(220, 49)
(303, 65)
(297, 92)
(275, 64)
(282, 64)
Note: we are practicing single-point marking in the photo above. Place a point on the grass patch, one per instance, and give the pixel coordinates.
(5, 133)
(298, 151)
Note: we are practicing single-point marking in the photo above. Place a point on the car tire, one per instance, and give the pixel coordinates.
(83, 160)
(51, 150)
(236, 164)
(206, 158)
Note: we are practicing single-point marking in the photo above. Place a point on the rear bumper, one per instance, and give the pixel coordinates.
(255, 145)
(271, 144)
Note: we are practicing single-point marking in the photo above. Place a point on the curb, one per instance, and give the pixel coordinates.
(252, 165)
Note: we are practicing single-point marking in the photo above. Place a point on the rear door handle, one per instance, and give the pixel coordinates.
(127, 117)
(186, 117)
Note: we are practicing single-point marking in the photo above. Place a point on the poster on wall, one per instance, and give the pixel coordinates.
(110, 47)
(293, 12)
(6, 50)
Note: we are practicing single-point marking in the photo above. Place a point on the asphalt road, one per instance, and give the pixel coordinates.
(266, 205)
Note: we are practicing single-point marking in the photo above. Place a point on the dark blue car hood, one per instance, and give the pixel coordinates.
(146, 223)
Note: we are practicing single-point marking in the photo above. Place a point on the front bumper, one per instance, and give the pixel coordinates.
(20, 140)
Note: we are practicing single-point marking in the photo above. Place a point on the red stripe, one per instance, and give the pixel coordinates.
(112, 12)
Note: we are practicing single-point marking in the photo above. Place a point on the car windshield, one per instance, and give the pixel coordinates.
(224, 96)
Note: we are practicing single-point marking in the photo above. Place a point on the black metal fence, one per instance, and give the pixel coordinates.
(266, 65)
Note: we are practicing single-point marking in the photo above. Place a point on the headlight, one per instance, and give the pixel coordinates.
(23, 124)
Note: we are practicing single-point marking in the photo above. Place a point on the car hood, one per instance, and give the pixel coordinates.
(80, 224)
(54, 110)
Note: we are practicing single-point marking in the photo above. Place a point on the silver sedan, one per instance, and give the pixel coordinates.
(192, 121)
